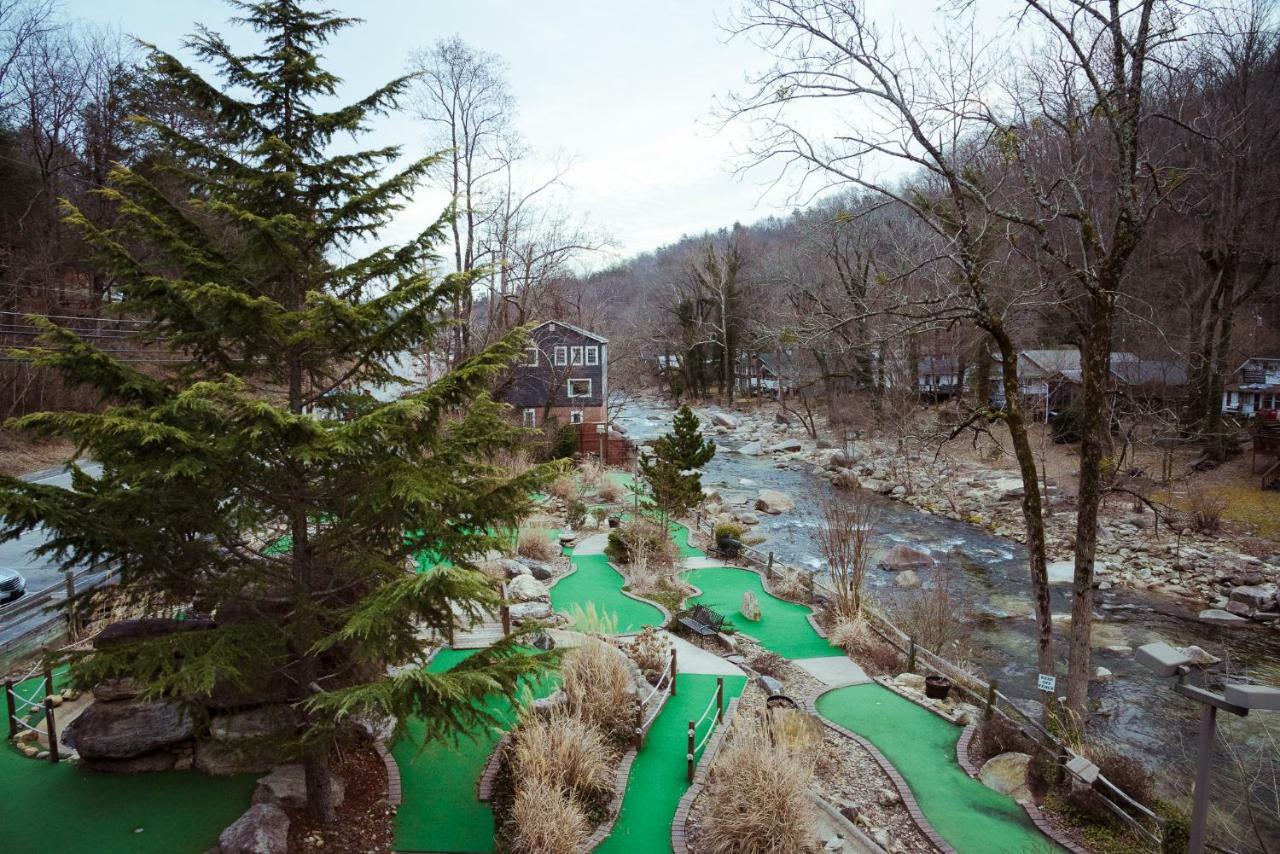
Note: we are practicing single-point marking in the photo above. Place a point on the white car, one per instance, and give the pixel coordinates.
(12, 585)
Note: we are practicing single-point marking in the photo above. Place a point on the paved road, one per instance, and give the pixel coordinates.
(39, 572)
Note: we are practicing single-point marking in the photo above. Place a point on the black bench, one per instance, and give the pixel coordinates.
(702, 621)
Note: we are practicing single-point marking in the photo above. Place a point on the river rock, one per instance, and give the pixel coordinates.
(263, 829)
(286, 785)
(902, 557)
(1061, 571)
(1217, 615)
(128, 728)
(751, 449)
(1007, 774)
(1259, 597)
(786, 446)
(526, 588)
(907, 579)
(722, 419)
(1198, 656)
(1102, 674)
(773, 502)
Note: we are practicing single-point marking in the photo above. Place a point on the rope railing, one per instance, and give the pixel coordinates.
(987, 693)
(657, 691)
(694, 744)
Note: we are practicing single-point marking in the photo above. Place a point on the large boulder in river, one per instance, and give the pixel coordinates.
(1007, 774)
(751, 449)
(263, 829)
(773, 502)
(722, 419)
(907, 579)
(903, 556)
(128, 728)
(786, 446)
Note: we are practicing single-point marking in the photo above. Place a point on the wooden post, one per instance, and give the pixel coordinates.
(690, 755)
(810, 585)
(639, 739)
(991, 700)
(53, 731)
(12, 710)
(768, 570)
(719, 699)
(673, 671)
(506, 620)
(698, 525)
(911, 657)
(48, 681)
(72, 628)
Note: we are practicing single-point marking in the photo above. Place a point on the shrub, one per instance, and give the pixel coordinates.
(536, 543)
(770, 664)
(575, 513)
(1205, 509)
(651, 651)
(997, 734)
(792, 584)
(640, 541)
(610, 492)
(589, 621)
(564, 488)
(599, 687)
(728, 529)
(853, 634)
(881, 659)
(591, 473)
(597, 516)
(565, 753)
(545, 820)
(758, 797)
(797, 732)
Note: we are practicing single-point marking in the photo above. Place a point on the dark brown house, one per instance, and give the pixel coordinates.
(565, 374)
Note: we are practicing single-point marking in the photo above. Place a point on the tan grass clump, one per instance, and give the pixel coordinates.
(546, 820)
(610, 492)
(564, 488)
(757, 801)
(853, 634)
(792, 584)
(600, 688)
(651, 651)
(565, 753)
(536, 543)
(797, 732)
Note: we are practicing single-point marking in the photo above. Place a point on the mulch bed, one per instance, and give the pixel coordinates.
(364, 820)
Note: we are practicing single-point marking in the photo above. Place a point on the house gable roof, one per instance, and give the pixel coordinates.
(577, 329)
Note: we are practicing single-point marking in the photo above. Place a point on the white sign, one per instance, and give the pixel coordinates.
(1045, 682)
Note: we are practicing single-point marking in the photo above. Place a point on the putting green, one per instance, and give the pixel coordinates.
(922, 747)
(659, 775)
(595, 582)
(63, 807)
(440, 810)
(783, 626)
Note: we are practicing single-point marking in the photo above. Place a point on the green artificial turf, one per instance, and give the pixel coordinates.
(659, 775)
(440, 810)
(783, 626)
(48, 807)
(922, 747)
(595, 582)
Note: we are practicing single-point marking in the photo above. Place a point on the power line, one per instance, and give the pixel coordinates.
(89, 318)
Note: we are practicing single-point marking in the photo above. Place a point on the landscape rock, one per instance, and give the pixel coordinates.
(887, 797)
(160, 760)
(902, 557)
(907, 579)
(128, 728)
(128, 631)
(254, 723)
(526, 588)
(913, 681)
(514, 568)
(224, 758)
(286, 785)
(773, 502)
(530, 611)
(768, 684)
(1007, 774)
(750, 608)
(112, 690)
(263, 829)
(537, 568)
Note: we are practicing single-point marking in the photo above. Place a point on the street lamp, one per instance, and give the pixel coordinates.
(1238, 699)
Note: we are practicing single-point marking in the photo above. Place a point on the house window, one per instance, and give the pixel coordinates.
(575, 416)
(579, 388)
(531, 418)
(531, 356)
(593, 355)
(562, 356)
(575, 355)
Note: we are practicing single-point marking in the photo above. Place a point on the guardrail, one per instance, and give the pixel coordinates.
(48, 601)
(986, 693)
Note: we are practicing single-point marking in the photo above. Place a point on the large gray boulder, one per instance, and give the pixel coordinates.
(286, 785)
(537, 568)
(263, 829)
(531, 611)
(721, 419)
(254, 723)
(514, 568)
(773, 502)
(1007, 774)
(128, 728)
(902, 557)
(526, 588)
(145, 628)
(112, 690)
(786, 446)
(1255, 597)
(751, 449)
(225, 758)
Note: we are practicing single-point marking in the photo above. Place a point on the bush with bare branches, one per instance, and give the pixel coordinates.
(844, 540)
(651, 651)
(564, 488)
(792, 584)
(1205, 509)
(935, 618)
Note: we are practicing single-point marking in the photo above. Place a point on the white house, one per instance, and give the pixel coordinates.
(1254, 387)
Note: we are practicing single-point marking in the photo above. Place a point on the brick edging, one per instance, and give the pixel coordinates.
(666, 615)
(395, 794)
(615, 806)
(898, 782)
(484, 786)
(680, 822)
(962, 749)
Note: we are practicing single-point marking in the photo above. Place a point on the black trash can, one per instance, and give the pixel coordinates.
(937, 687)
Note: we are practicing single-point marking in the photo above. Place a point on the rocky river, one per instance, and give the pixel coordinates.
(1136, 712)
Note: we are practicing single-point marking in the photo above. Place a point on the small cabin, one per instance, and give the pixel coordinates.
(1254, 388)
(564, 375)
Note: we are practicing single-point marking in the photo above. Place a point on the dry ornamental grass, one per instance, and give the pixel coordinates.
(564, 753)
(600, 689)
(546, 820)
(536, 544)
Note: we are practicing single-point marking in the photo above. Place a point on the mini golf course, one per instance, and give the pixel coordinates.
(63, 807)
(659, 775)
(922, 747)
(595, 582)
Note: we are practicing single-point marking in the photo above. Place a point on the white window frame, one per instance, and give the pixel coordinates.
(593, 356)
(576, 417)
(569, 387)
(531, 360)
(575, 356)
(531, 417)
(562, 355)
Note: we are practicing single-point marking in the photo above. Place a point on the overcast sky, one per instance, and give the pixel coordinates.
(625, 89)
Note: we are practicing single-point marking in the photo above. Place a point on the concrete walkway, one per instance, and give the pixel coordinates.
(832, 671)
(703, 563)
(592, 545)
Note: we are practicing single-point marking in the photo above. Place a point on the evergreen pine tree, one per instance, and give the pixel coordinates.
(253, 482)
(671, 471)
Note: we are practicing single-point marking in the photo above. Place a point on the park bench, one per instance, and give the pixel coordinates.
(702, 621)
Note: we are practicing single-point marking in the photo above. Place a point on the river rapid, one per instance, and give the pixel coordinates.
(1137, 713)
